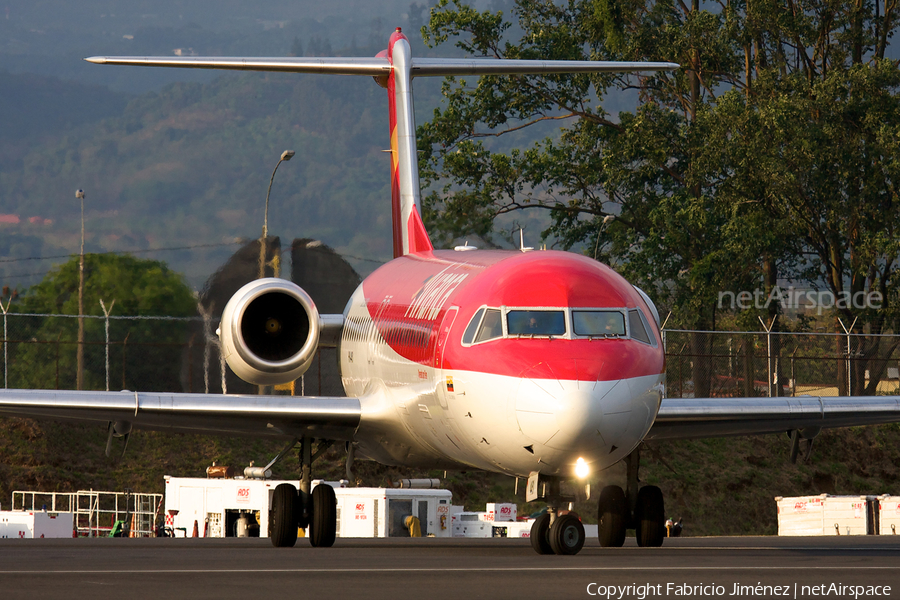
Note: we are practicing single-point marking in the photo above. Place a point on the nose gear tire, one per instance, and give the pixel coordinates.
(567, 535)
(540, 531)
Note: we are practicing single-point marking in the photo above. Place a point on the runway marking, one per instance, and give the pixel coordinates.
(442, 569)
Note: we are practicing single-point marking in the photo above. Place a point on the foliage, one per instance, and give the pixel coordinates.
(127, 286)
(771, 153)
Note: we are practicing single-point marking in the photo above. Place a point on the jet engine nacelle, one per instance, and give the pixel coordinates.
(270, 331)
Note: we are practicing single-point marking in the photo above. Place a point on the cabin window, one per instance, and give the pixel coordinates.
(536, 322)
(491, 326)
(638, 330)
(599, 323)
(469, 335)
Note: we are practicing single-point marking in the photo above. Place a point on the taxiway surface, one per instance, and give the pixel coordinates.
(465, 569)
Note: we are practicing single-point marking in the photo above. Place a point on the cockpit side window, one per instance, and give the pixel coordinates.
(491, 326)
(638, 329)
(469, 335)
(599, 323)
(536, 322)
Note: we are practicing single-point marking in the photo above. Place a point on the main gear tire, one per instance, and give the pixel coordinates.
(323, 524)
(612, 517)
(283, 516)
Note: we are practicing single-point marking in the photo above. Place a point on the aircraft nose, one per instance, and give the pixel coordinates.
(560, 414)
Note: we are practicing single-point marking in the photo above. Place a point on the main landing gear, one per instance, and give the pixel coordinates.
(293, 508)
(641, 509)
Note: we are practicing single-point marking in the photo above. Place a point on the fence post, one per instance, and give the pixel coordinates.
(57, 359)
(207, 339)
(5, 337)
(849, 364)
(769, 357)
(191, 363)
(106, 314)
(124, 351)
(662, 334)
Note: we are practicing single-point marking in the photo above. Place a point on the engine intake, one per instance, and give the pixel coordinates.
(270, 332)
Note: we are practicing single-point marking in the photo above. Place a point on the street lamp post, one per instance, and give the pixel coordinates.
(286, 155)
(79, 375)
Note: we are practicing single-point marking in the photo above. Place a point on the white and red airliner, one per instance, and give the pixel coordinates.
(541, 364)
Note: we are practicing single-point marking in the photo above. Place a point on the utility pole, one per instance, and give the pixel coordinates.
(79, 376)
(286, 155)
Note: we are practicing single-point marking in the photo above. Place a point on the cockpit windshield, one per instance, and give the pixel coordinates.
(536, 322)
(491, 326)
(598, 322)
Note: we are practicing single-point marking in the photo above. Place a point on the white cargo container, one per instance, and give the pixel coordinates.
(827, 515)
(35, 524)
(216, 505)
(801, 515)
(889, 514)
(845, 515)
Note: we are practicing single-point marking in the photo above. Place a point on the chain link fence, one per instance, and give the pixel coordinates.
(172, 354)
(702, 364)
(148, 354)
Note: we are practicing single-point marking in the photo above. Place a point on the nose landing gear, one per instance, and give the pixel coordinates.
(640, 508)
(553, 533)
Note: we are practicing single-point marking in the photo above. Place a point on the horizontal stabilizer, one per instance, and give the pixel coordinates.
(381, 66)
(258, 416)
(681, 418)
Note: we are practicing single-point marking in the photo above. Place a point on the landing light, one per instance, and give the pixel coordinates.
(582, 469)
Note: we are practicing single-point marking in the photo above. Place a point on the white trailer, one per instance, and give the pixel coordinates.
(498, 520)
(382, 512)
(35, 524)
(217, 504)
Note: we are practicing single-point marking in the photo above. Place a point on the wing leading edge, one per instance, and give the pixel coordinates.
(681, 418)
(379, 66)
(257, 416)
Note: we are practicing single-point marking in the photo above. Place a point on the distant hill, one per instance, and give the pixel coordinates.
(190, 165)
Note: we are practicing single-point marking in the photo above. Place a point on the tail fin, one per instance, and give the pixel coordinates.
(410, 236)
(394, 69)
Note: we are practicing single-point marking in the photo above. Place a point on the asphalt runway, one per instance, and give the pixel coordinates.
(464, 569)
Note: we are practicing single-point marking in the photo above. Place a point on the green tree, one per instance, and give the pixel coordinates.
(770, 154)
(149, 349)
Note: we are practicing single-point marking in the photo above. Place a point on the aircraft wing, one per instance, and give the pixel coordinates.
(257, 416)
(379, 66)
(680, 418)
